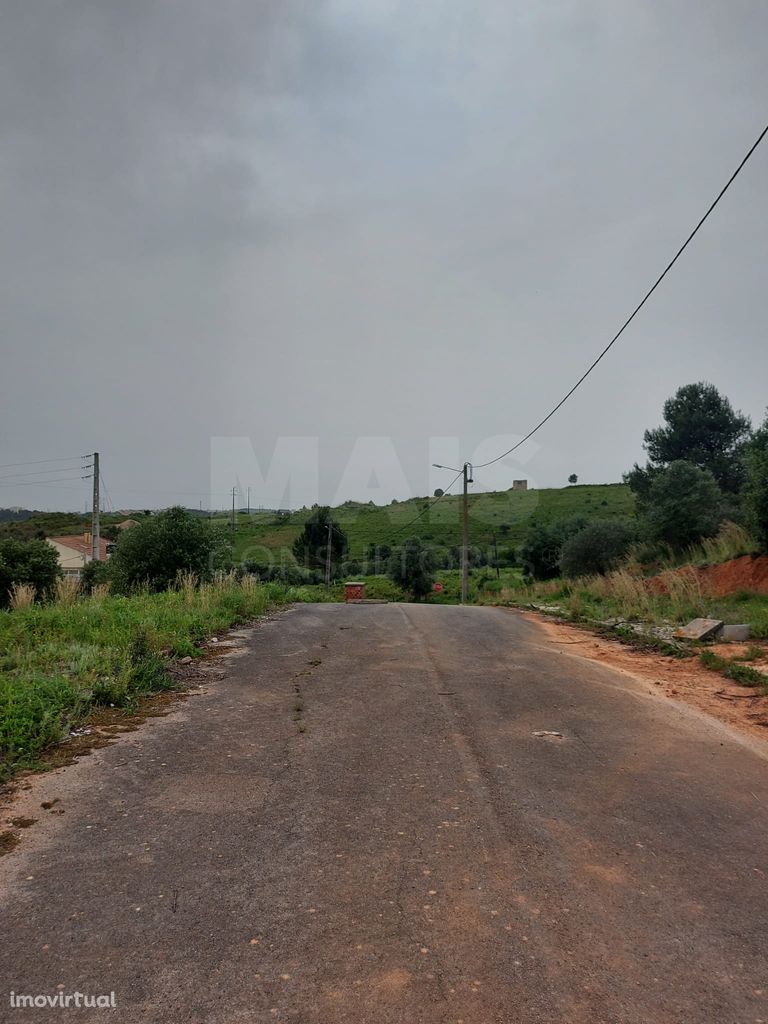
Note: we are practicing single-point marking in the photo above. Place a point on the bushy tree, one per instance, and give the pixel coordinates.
(596, 549)
(541, 550)
(411, 566)
(701, 427)
(684, 505)
(94, 574)
(377, 557)
(27, 561)
(756, 491)
(310, 548)
(159, 547)
(573, 479)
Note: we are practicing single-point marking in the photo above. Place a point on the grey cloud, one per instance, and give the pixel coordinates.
(338, 218)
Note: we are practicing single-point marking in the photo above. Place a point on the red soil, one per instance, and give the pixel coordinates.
(750, 572)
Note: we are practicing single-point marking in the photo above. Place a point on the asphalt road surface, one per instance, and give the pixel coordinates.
(418, 853)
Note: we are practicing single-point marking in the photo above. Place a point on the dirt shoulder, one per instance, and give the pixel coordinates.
(680, 679)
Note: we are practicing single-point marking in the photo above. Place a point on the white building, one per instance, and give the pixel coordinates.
(75, 552)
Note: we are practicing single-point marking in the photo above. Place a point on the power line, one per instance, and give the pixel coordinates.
(42, 472)
(638, 307)
(110, 506)
(40, 483)
(430, 506)
(40, 462)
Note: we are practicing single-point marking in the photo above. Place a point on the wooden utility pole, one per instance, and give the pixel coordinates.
(496, 556)
(95, 523)
(249, 501)
(467, 475)
(328, 556)
(232, 524)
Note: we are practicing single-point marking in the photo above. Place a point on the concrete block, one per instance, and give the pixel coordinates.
(735, 634)
(700, 629)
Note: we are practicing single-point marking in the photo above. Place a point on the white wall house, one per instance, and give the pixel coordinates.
(75, 552)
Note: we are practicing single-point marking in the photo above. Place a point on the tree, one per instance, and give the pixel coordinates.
(439, 492)
(573, 479)
(701, 428)
(541, 550)
(596, 549)
(27, 561)
(684, 505)
(377, 557)
(411, 567)
(158, 548)
(756, 491)
(311, 546)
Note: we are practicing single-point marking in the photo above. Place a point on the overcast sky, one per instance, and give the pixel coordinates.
(338, 219)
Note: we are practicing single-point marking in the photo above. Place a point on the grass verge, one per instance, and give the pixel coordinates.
(60, 662)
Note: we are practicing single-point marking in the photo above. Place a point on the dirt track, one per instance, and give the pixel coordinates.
(425, 851)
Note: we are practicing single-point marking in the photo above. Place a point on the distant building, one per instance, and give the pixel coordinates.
(519, 485)
(126, 523)
(75, 552)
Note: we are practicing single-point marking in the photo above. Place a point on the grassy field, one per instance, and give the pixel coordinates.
(507, 515)
(58, 662)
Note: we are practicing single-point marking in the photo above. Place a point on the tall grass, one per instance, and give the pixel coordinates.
(732, 541)
(22, 595)
(67, 591)
(61, 660)
(672, 597)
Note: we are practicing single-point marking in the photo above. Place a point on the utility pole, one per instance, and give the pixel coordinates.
(249, 502)
(328, 556)
(232, 524)
(95, 524)
(496, 556)
(467, 475)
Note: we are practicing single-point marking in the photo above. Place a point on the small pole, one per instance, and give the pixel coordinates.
(328, 556)
(95, 525)
(232, 524)
(496, 556)
(249, 501)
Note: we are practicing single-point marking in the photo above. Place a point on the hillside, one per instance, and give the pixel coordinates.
(53, 524)
(507, 515)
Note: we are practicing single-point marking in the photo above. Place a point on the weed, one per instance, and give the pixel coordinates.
(752, 653)
(744, 675)
(22, 596)
(67, 591)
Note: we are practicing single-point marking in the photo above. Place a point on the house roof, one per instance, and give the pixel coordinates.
(78, 543)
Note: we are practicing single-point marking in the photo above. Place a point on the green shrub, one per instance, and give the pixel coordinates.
(596, 549)
(540, 553)
(33, 562)
(94, 574)
(411, 567)
(155, 551)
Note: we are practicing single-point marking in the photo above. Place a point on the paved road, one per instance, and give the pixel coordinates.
(417, 854)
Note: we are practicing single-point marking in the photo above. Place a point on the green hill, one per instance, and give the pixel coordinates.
(55, 524)
(507, 515)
